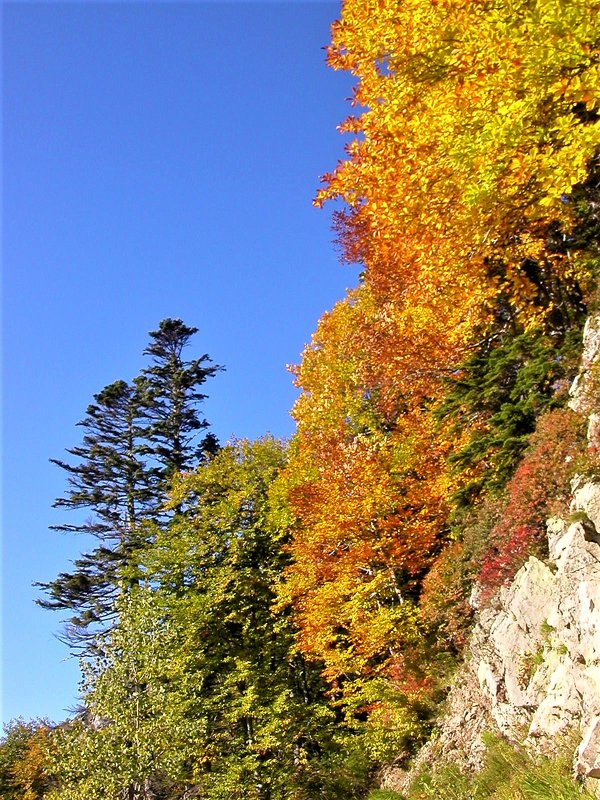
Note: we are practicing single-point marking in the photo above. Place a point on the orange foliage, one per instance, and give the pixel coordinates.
(30, 771)
(366, 483)
(478, 121)
(475, 121)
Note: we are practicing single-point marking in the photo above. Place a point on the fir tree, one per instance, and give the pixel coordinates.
(112, 476)
(112, 480)
(136, 437)
(172, 395)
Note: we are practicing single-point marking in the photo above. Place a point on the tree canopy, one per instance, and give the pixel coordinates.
(285, 615)
(136, 437)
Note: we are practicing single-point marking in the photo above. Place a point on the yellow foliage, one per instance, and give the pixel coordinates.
(473, 123)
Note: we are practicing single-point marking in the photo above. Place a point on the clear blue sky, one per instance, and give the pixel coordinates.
(159, 160)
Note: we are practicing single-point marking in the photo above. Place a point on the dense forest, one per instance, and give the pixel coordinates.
(277, 620)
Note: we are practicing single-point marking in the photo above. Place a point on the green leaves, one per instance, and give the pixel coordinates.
(200, 686)
(497, 395)
(134, 729)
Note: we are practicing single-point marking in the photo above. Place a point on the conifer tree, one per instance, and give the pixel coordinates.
(111, 477)
(112, 480)
(136, 437)
(171, 393)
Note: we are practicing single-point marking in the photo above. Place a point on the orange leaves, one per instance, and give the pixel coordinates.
(365, 479)
(368, 497)
(475, 122)
(471, 129)
(29, 773)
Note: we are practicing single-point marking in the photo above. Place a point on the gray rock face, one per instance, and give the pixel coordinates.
(584, 389)
(532, 671)
(580, 389)
(587, 752)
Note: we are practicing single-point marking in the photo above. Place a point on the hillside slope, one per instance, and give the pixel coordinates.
(532, 667)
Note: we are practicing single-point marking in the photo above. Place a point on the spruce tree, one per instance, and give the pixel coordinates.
(171, 391)
(136, 437)
(111, 479)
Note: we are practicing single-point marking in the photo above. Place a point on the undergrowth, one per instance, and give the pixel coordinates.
(509, 773)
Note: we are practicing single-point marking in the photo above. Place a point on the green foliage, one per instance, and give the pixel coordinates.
(500, 391)
(133, 731)
(264, 722)
(200, 687)
(389, 721)
(509, 773)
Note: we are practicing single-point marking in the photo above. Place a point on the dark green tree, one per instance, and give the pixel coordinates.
(111, 476)
(112, 480)
(136, 436)
(499, 393)
(171, 391)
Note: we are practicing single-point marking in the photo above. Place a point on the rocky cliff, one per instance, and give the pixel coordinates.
(532, 671)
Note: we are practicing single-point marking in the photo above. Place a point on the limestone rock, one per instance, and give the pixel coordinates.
(586, 500)
(534, 659)
(580, 400)
(587, 758)
(532, 667)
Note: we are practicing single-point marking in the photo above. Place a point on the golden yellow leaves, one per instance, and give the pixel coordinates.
(473, 121)
(477, 121)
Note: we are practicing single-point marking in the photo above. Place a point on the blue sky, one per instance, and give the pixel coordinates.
(159, 161)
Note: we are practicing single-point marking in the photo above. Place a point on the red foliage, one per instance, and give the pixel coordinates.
(539, 488)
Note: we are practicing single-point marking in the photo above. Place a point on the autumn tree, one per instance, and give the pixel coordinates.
(200, 688)
(24, 762)
(366, 485)
(479, 124)
(465, 192)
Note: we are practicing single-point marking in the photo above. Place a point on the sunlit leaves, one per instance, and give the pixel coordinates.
(366, 483)
(475, 126)
(478, 120)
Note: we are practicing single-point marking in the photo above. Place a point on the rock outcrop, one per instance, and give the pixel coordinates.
(532, 671)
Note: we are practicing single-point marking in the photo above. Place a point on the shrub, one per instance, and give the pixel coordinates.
(498, 395)
(539, 488)
(447, 587)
